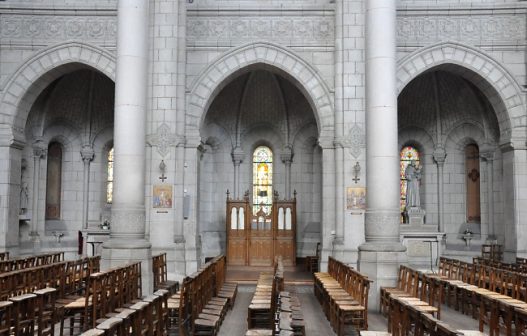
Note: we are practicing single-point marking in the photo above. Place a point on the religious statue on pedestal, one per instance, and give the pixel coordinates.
(413, 178)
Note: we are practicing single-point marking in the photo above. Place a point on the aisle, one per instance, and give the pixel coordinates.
(235, 323)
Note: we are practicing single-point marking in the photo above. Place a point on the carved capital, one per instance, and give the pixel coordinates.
(439, 155)
(487, 152)
(40, 149)
(87, 153)
(287, 155)
(237, 156)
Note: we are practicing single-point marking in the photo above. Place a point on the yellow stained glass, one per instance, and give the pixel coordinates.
(109, 180)
(262, 179)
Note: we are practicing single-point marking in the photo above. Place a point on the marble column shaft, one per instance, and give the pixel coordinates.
(439, 158)
(39, 152)
(87, 155)
(128, 212)
(127, 241)
(382, 160)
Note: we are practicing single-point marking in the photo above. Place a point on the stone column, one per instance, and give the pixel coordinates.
(127, 241)
(39, 153)
(328, 201)
(287, 157)
(87, 155)
(237, 159)
(439, 158)
(488, 155)
(381, 254)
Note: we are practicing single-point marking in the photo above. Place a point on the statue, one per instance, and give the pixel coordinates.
(413, 179)
(24, 198)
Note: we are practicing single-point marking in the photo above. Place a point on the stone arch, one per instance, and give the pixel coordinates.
(36, 73)
(496, 83)
(270, 57)
(465, 133)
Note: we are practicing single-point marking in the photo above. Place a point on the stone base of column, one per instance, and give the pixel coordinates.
(116, 252)
(381, 264)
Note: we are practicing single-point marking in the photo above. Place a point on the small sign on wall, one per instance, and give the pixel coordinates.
(356, 198)
(162, 196)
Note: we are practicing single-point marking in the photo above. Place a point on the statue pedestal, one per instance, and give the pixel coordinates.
(424, 244)
(416, 216)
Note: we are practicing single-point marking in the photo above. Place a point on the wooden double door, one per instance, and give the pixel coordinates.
(255, 239)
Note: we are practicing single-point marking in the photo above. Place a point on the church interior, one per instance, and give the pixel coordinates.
(255, 167)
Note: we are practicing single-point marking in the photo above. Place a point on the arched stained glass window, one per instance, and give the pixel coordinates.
(109, 179)
(262, 179)
(408, 154)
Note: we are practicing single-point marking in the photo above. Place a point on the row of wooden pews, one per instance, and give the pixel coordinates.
(201, 303)
(343, 294)
(496, 297)
(260, 314)
(30, 295)
(415, 287)
(146, 316)
(408, 318)
(9, 265)
(106, 292)
(159, 268)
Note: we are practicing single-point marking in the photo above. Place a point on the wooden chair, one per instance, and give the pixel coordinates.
(6, 316)
(312, 262)
(24, 314)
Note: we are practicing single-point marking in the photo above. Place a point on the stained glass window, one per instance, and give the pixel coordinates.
(262, 179)
(408, 154)
(109, 180)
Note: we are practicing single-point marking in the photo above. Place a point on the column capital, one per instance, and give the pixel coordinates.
(487, 152)
(439, 155)
(40, 149)
(287, 155)
(237, 155)
(87, 153)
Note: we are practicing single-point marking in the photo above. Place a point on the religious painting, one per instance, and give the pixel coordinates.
(162, 196)
(356, 198)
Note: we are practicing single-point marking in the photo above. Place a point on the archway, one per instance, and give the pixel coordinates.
(260, 107)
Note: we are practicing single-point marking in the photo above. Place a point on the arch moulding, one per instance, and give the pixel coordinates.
(36, 73)
(269, 57)
(497, 84)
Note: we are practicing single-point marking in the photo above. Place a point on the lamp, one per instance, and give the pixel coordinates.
(162, 167)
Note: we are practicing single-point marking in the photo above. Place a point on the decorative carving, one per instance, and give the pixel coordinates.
(439, 155)
(87, 153)
(355, 140)
(131, 219)
(382, 223)
(473, 175)
(40, 149)
(316, 30)
(50, 28)
(162, 139)
(477, 29)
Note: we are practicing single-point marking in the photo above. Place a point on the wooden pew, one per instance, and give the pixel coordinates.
(159, 268)
(343, 294)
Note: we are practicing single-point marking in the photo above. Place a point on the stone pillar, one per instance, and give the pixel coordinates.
(439, 158)
(488, 155)
(87, 155)
(287, 157)
(328, 201)
(381, 254)
(237, 159)
(339, 194)
(127, 241)
(39, 153)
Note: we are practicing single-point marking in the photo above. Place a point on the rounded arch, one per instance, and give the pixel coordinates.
(497, 84)
(36, 73)
(465, 133)
(269, 57)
